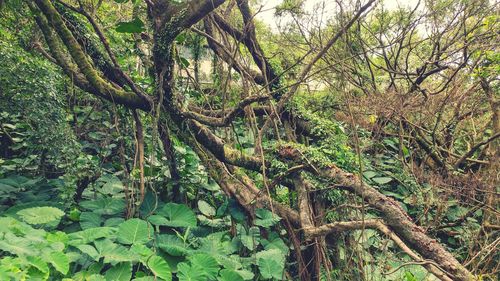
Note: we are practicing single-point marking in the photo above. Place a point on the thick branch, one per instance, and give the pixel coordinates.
(226, 120)
(103, 88)
(379, 225)
(392, 213)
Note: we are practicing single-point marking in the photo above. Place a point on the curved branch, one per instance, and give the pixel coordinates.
(103, 88)
(391, 212)
(229, 117)
(379, 225)
(474, 149)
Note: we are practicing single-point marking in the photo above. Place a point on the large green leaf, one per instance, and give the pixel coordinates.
(158, 220)
(178, 215)
(40, 215)
(38, 263)
(171, 244)
(246, 274)
(17, 246)
(236, 211)
(265, 218)
(209, 265)
(60, 262)
(134, 231)
(217, 243)
(113, 221)
(229, 275)
(160, 268)
(249, 239)
(114, 253)
(112, 186)
(206, 209)
(149, 204)
(90, 251)
(105, 206)
(275, 243)
(270, 269)
(119, 272)
(185, 272)
(271, 264)
(96, 277)
(90, 220)
(142, 252)
(90, 235)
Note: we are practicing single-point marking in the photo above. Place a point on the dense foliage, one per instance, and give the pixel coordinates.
(188, 140)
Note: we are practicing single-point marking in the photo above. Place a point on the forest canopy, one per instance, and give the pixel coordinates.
(249, 140)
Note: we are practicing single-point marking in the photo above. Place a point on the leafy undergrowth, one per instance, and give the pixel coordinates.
(95, 242)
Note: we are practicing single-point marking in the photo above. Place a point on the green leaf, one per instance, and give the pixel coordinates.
(209, 265)
(206, 209)
(265, 218)
(369, 174)
(158, 220)
(113, 185)
(382, 180)
(96, 277)
(178, 215)
(181, 38)
(113, 253)
(229, 275)
(119, 272)
(38, 263)
(90, 235)
(212, 186)
(57, 236)
(90, 220)
(236, 211)
(270, 269)
(249, 239)
(409, 276)
(134, 231)
(60, 262)
(17, 246)
(171, 244)
(184, 63)
(142, 252)
(276, 243)
(105, 206)
(90, 251)
(148, 206)
(134, 26)
(246, 274)
(40, 215)
(113, 222)
(160, 268)
(271, 264)
(186, 272)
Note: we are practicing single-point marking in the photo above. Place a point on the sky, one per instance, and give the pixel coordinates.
(267, 10)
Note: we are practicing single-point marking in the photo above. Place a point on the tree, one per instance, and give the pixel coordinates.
(265, 100)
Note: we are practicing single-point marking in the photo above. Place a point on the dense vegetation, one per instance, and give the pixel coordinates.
(188, 140)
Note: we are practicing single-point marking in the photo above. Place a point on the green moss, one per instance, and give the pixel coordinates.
(166, 36)
(332, 141)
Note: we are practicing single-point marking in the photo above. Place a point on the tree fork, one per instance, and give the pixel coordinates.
(391, 212)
